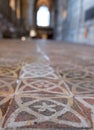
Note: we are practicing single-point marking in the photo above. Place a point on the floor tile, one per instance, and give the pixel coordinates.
(46, 85)
(79, 82)
(45, 113)
(7, 86)
(38, 70)
(76, 75)
(89, 103)
(43, 87)
(7, 90)
(84, 88)
(10, 72)
(4, 105)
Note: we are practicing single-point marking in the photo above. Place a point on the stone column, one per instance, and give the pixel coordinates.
(59, 23)
(27, 13)
(24, 12)
(52, 17)
(30, 13)
(13, 10)
(18, 12)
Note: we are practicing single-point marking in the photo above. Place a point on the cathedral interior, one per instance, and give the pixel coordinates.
(46, 64)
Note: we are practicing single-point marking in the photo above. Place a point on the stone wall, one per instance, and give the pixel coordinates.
(75, 28)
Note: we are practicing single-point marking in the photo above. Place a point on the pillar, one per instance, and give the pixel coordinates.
(59, 22)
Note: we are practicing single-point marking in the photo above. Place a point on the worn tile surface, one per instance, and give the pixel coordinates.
(33, 112)
(7, 90)
(10, 71)
(46, 85)
(37, 70)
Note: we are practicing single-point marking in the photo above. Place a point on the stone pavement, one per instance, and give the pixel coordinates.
(46, 85)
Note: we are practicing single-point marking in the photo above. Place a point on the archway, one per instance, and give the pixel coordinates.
(43, 16)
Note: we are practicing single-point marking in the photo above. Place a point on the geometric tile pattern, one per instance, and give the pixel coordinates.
(52, 88)
(44, 113)
(7, 89)
(37, 70)
(43, 87)
(43, 103)
(89, 103)
(80, 82)
(9, 72)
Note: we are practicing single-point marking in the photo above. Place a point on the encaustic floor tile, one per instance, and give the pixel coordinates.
(76, 75)
(38, 70)
(43, 87)
(10, 72)
(87, 102)
(4, 104)
(80, 82)
(7, 90)
(83, 88)
(7, 86)
(45, 113)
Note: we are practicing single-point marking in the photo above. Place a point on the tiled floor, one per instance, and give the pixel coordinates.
(46, 85)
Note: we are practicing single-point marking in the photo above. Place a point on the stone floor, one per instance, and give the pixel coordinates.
(46, 85)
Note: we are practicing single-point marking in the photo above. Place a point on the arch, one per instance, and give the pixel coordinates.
(43, 16)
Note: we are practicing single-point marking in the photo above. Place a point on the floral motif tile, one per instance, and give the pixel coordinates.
(45, 113)
(38, 70)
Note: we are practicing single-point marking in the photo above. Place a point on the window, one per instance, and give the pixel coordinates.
(89, 14)
(43, 16)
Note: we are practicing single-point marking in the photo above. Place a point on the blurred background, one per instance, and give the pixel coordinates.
(63, 20)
